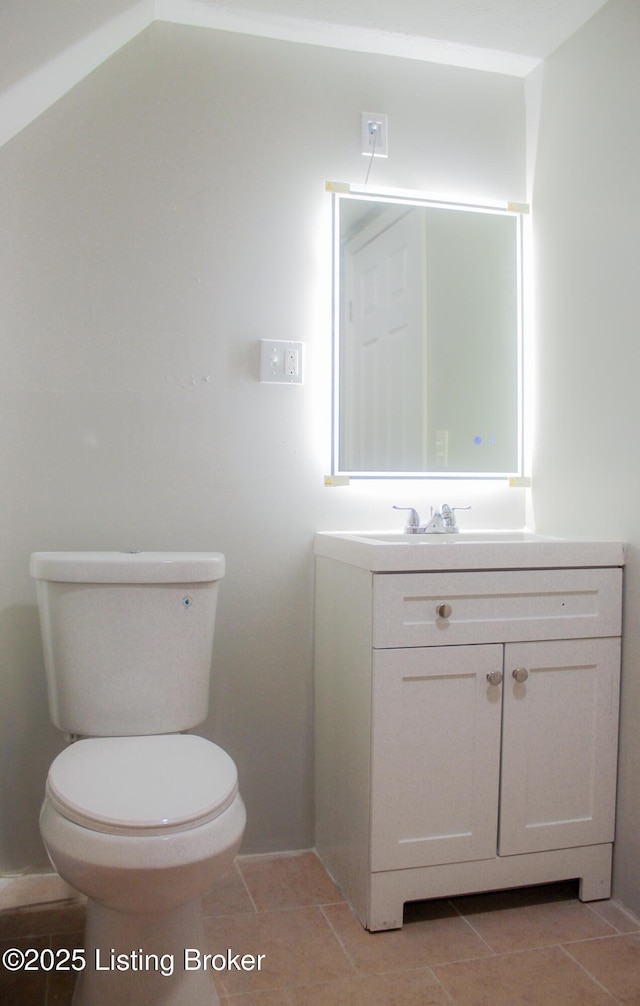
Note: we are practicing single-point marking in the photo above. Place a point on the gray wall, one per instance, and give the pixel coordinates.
(586, 214)
(155, 223)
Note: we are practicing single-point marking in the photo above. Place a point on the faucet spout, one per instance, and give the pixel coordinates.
(437, 524)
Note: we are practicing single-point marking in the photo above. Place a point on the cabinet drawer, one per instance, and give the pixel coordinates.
(436, 609)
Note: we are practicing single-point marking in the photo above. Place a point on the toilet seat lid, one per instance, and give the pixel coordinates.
(149, 785)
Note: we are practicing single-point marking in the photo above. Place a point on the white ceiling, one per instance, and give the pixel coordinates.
(510, 36)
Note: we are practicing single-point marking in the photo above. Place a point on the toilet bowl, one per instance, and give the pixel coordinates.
(140, 822)
(143, 854)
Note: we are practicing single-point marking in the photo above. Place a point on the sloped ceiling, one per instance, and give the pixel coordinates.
(531, 28)
(45, 48)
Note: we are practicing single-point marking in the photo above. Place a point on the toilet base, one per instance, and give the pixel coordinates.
(140, 958)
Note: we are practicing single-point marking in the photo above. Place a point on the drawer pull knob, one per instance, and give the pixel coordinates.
(520, 675)
(444, 610)
(494, 677)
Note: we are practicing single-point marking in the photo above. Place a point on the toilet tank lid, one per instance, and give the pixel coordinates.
(128, 567)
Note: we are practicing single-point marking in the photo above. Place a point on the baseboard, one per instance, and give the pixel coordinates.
(25, 889)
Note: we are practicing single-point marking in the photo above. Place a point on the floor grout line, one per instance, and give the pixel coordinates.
(473, 929)
(593, 907)
(339, 939)
(238, 868)
(591, 976)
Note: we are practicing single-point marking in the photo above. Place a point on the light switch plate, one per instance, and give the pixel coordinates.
(280, 362)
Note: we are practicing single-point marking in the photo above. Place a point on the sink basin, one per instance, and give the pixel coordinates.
(461, 538)
(393, 551)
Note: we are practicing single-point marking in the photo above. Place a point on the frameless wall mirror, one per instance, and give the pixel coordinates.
(427, 338)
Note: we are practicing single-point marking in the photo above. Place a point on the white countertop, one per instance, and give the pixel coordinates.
(388, 551)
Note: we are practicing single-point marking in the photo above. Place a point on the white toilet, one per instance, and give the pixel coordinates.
(137, 815)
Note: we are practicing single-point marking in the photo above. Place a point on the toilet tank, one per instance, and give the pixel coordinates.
(127, 638)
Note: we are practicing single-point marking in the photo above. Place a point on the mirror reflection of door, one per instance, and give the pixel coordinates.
(384, 355)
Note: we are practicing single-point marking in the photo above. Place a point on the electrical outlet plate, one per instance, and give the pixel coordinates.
(375, 139)
(280, 362)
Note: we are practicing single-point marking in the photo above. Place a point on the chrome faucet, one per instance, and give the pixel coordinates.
(441, 521)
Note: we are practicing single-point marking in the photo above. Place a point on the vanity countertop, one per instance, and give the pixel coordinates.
(388, 551)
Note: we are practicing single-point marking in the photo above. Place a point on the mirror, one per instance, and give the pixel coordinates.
(427, 347)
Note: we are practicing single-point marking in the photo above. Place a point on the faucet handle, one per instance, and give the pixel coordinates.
(413, 520)
(449, 517)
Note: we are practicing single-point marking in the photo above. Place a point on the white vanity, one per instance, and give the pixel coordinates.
(466, 691)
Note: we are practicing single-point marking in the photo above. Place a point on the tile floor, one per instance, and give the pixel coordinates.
(533, 947)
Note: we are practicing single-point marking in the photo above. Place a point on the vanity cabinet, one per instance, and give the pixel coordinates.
(466, 731)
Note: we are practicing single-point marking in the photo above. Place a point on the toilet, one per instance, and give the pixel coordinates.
(138, 814)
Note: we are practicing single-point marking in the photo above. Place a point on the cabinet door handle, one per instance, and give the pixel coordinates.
(443, 610)
(494, 677)
(520, 674)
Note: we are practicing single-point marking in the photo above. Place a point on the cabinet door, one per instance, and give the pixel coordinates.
(435, 755)
(560, 732)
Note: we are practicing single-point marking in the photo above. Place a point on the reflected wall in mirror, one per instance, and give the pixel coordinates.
(427, 311)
